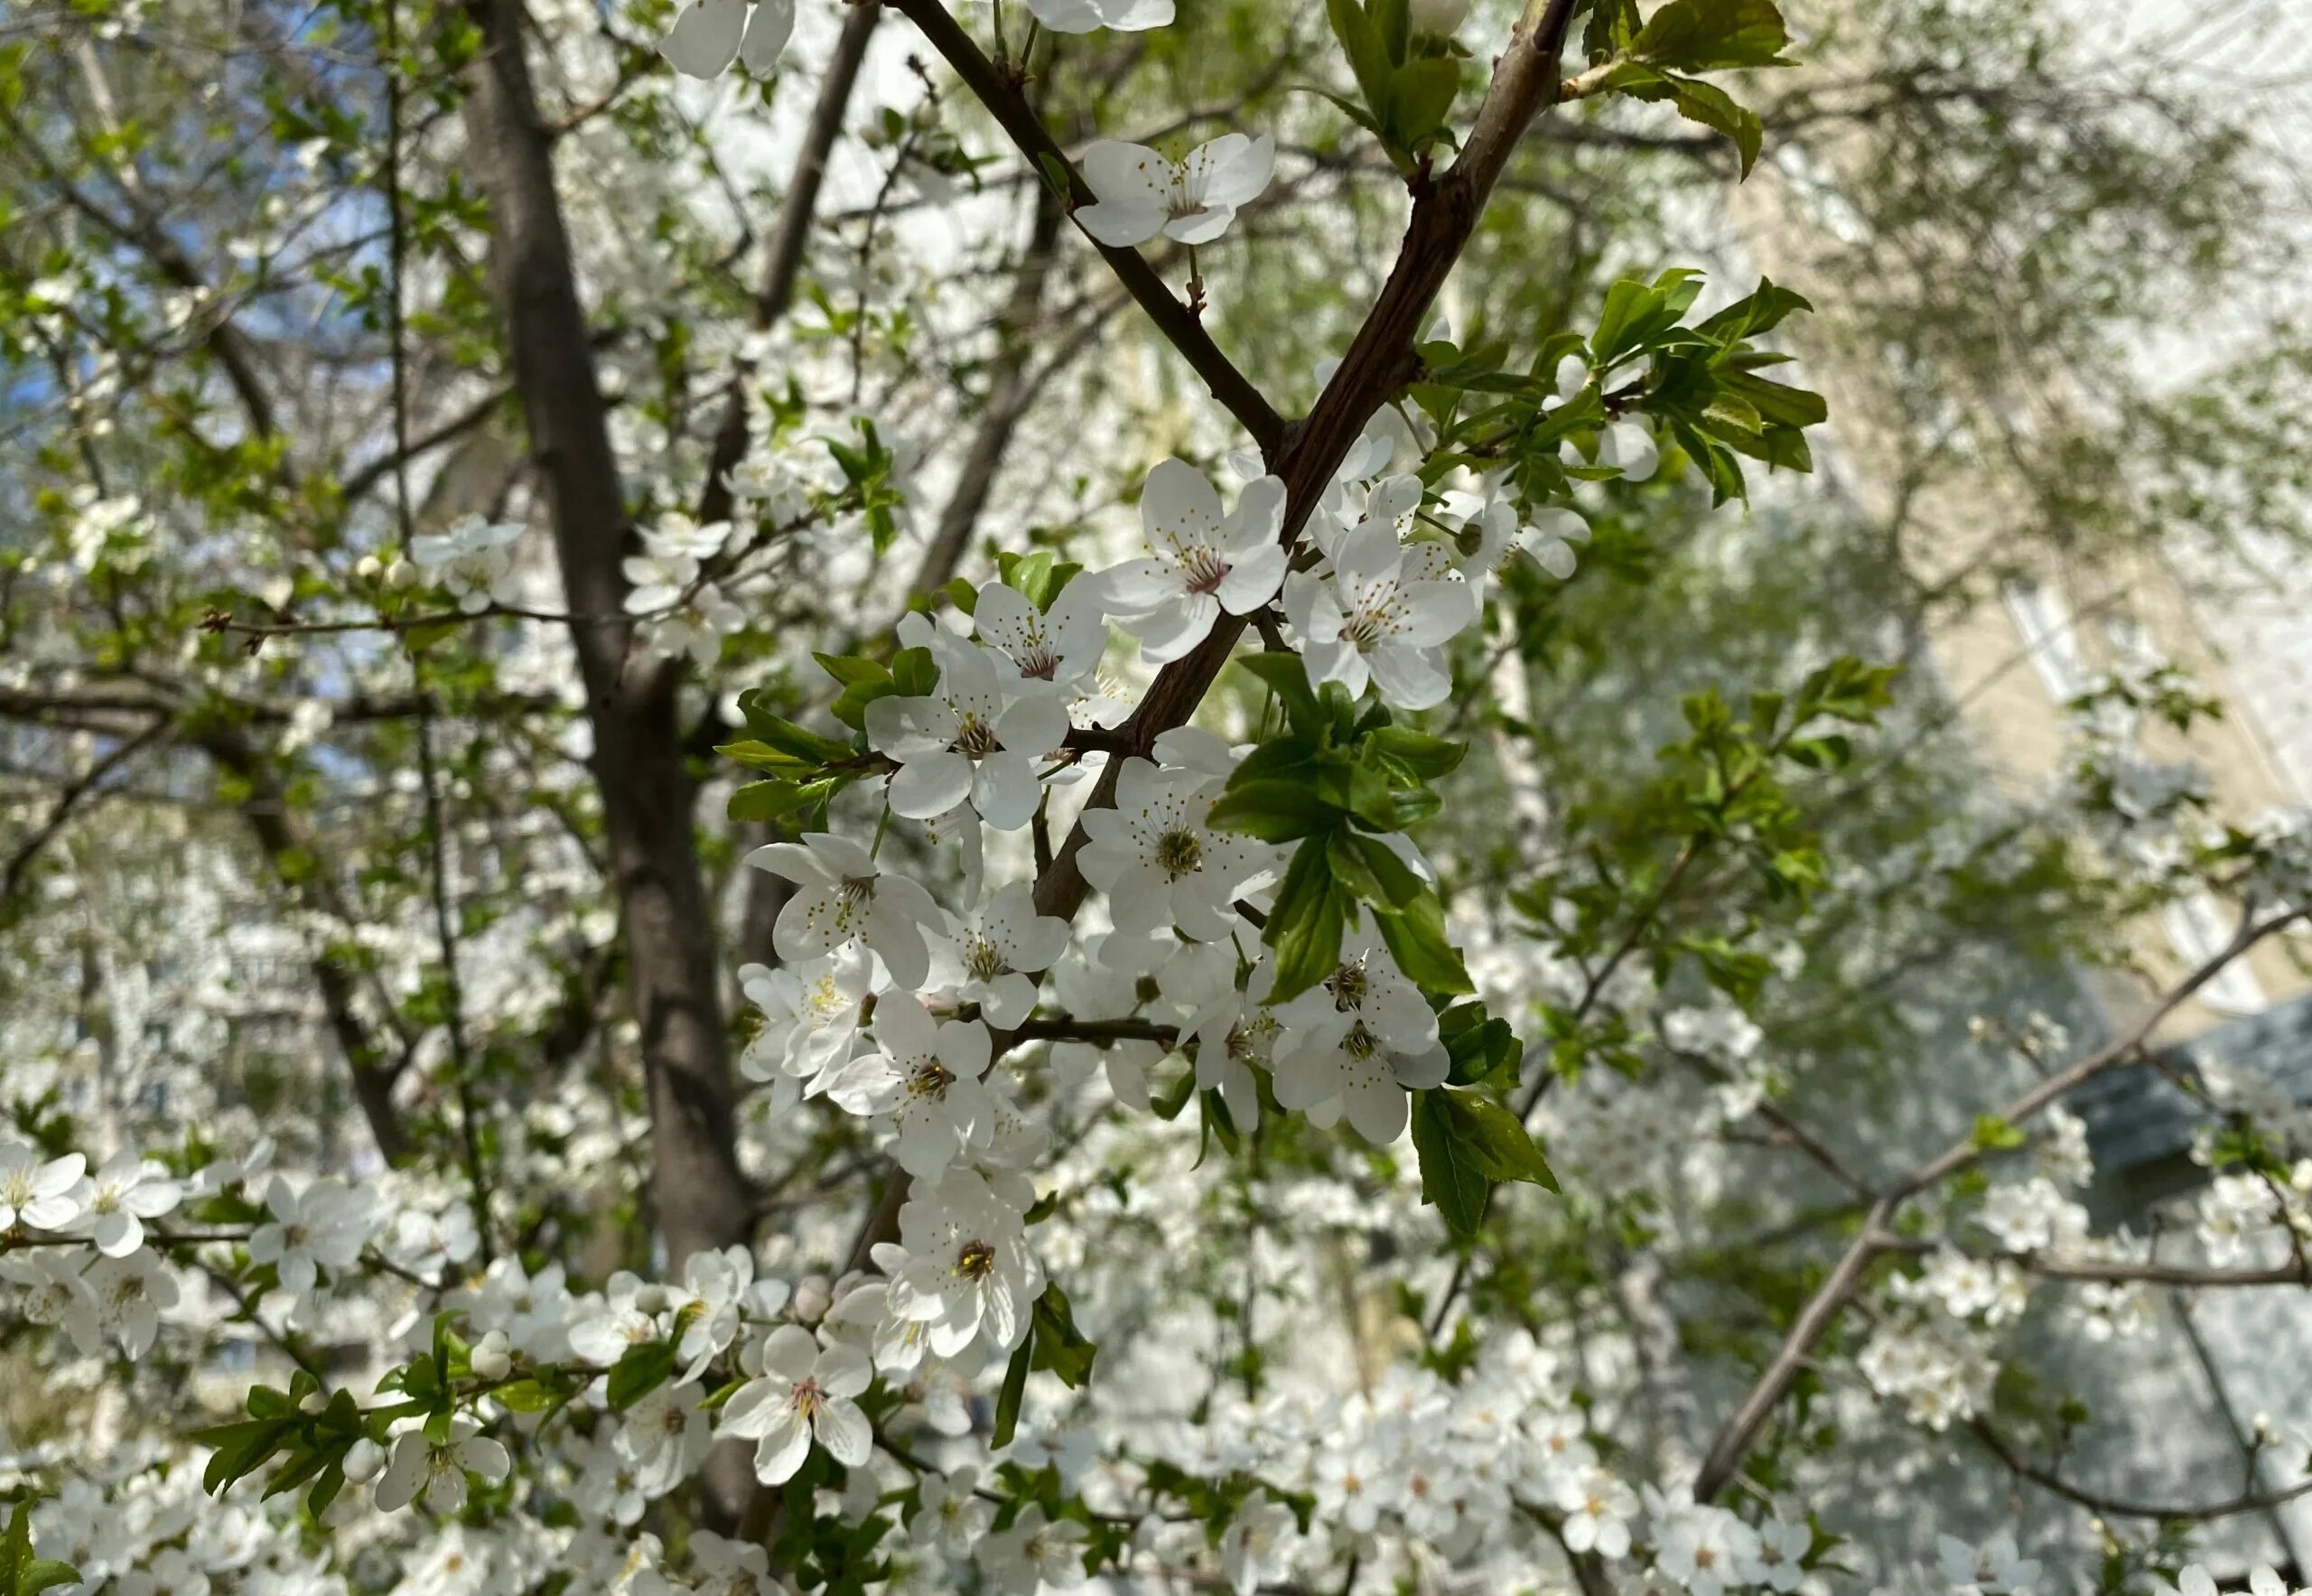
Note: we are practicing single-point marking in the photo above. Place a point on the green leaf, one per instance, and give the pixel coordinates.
(1450, 1180)
(1994, 1134)
(766, 801)
(1015, 1387)
(915, 673)
(1286, 676)
(1421, 97)
(1706, 35)
(1274, 809)
(1368, 56)
(1060, 1348)
(1422, 757)
(1716, 110)
(1393, 21)
(528, 1396)
(641, 1369)
(851, 671)
(1304, 929)
(1496, 1139)
(774, 736)
(1417, 940)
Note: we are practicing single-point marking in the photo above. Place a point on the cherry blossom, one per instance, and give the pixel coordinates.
(1000, 946)
(127, 1191)
(967, 741)
(38, 1193)
(962, 1264)
(924, 1074)
(710, 34)
(1158, 862)
(438, 1472)
(1370, 621)
(1199, 563)
(1190, 201)
(804, 1392)
(842, 898)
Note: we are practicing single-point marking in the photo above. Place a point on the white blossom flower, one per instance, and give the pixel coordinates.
(1199, 563)
(39, 1193)
(955, 1516)
(120, 1196)
(1441, 17)
(1371, 621)
(130, 1291)
(474, 560)
(666, 1436)
(57, 1292)
(1000, 947)
(843, 898)
(1598, 1508)
(1033, 1553)
(1056, 649)
(1083, 16)
(1355, 1043)
(325, 1225)
(961, 1263)
(925, 1076)
(810, 1013)
(1156, 860)
(440, 1471)
(723, 1291)
(805, 1391)
(1257, 1545)
(731, 1568)
(1141, 193)
(1996, 1568)
(1627, 445)
(1783, 1546)
(1551, 537)
(1707, 1550)
(710, 34)
(966, 741)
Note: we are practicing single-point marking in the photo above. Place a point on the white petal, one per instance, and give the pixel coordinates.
(768, 30)
(705, 40)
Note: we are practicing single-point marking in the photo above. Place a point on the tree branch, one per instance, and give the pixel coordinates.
(1173, 319)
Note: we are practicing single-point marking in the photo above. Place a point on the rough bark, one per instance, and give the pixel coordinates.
(648, 797)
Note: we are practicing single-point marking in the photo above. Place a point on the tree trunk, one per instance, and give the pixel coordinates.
(638, 760)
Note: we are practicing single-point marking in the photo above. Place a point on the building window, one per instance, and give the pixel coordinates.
(2044, 623)
(2200, 929)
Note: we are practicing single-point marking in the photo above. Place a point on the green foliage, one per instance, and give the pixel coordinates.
(1703, 387)
(310, 1436)
(1337, 782)
(1469, 1144)
(1406, 82)
(1652, 61)
(1052, 1344)
(21, 1572)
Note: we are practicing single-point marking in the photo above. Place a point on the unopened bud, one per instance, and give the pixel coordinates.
(813, 1297)
(363, 1459)
(1442, 17)
(493, 1355)
(401, 573)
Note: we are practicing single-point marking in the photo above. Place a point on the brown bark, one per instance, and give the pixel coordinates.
(648, 797)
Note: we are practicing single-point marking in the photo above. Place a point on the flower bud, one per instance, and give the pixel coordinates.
(368, 568)
(1442, 17)
(493, 1355)
(363, 1459)
(812, 1298)
(401, 573)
